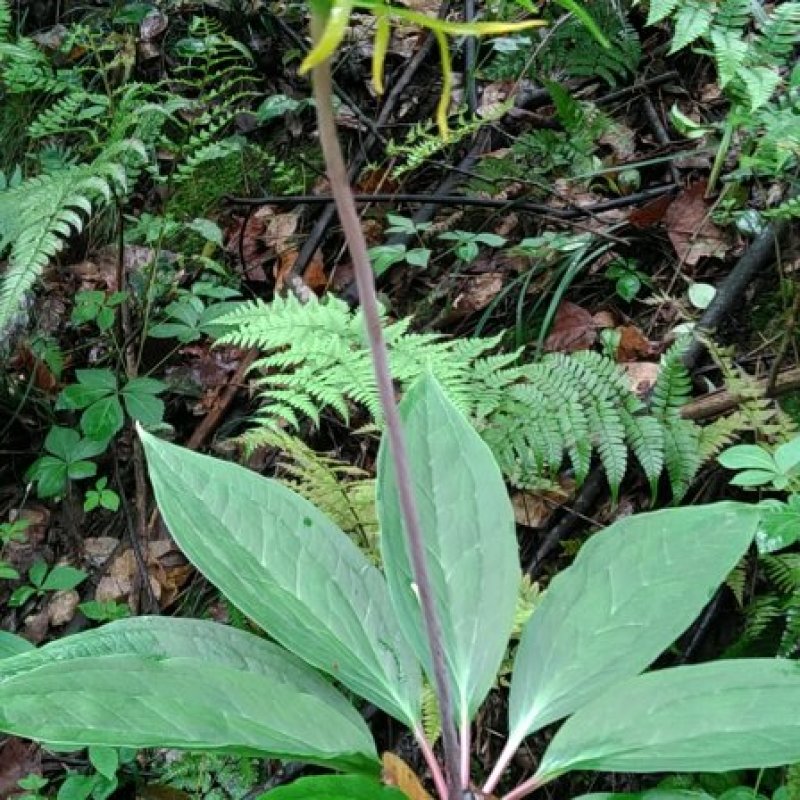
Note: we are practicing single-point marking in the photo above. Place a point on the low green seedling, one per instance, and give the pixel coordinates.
(66, 459)
(101, 497)
(101, 398)
(43, 580)
(97, 307)
(33, 786)
(467, 244)
(761, 467)
(628, 279)
(630, 593)
(779, 470)
(104, 610)
(384, 256)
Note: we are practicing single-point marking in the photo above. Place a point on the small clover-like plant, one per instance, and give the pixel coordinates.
(97, 307)
(66, 459)
(776, 469)
(101, 497)
(467, 243)
(761, 467)
(633, 589)
(43, 579)
(99, 395)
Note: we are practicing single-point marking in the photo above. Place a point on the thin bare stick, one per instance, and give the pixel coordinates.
(351, 225)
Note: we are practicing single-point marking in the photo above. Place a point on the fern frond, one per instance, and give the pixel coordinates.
(571, 48)
(40, 214)
(691, 22)
(737, 581)
(673, 384)
(789, 209)
(431, 718)
(780, 33)
(5, 20)
(343, 492)
(730, 53)
(532, 416)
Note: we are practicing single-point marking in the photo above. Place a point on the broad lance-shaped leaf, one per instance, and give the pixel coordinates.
(11, 645)
(468, 528)
(289, 568)
(149, 682)
(632, 590)
(726, 715)
(335, 787)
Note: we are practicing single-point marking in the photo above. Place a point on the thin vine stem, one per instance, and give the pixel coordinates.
(354, 236)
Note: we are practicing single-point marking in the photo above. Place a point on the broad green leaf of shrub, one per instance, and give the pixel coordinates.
(632, 590)
(152, 681)
(289, 568)
(335, 787)
(715, 717)
(468, 527)
(11, 645)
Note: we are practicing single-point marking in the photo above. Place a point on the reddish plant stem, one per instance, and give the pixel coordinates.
(433, 765)
(524, 789)
(351, 225)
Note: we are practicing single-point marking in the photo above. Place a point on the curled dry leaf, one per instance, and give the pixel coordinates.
(633, 344)
(479, 291)
(61, 607)
(397, 773)
(573, 329)
(690, 228)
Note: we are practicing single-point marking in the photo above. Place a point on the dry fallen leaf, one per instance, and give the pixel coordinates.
(573, 329)
(633, 344)
(314, 274)
(534, 509)
(479, 291)
(397, 773)
(641, 376)
(690, 228)
(61, 607)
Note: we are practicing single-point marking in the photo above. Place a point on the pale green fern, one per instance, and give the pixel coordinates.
(39, 215)
(748, 45)
(345, 493)
(532, 416)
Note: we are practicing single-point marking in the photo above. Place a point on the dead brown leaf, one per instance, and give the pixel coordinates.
(633, 344)
(314, 274)
(573, 329)
(479, 291)
(61, 607)
(534, 509)
(690, 228)
(641, 376)
(397, 773)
